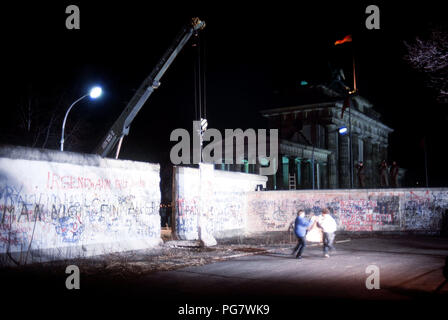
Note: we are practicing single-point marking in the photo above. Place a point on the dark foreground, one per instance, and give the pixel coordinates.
(268, 282)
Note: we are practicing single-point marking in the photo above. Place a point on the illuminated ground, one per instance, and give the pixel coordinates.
(409, 268)
(410, 276)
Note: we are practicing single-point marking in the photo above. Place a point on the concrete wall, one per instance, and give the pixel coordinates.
(213, 200)
(57, 205)
(226, 205)
(354, 210)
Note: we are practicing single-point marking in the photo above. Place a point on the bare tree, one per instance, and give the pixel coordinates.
(430, 56)
(36, 122)
(39, 119)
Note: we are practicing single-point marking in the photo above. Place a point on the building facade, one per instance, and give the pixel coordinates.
(312, 152)
(314, 155)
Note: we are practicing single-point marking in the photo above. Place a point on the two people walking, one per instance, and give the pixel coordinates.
(302, 225)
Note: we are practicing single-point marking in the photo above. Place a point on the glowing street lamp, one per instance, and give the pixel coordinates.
(343, 131)
(94, 93)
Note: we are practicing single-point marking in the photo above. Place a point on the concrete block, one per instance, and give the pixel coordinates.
(59, 205)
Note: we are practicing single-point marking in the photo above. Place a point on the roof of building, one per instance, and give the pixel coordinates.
(308, 97)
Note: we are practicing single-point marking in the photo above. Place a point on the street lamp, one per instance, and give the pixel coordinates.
(94, 93)
(343, 131)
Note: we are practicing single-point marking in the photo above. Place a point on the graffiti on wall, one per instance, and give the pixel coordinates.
(59, 209)
(187, 211)
(366, 215)
(57, 181)
(228, 211)
(220, 200)
(423, 210)
(371, 211)
(232, 206)
(223, 211)
(276, 211)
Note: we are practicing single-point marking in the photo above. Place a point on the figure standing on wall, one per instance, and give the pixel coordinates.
(384, 175)
(361, 174)
(301, 225)
(393, 174)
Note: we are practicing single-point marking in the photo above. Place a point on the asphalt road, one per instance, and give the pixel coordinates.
(410, 281)
(407, 268)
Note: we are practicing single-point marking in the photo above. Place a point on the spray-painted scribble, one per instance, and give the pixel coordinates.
(353, 211)
(47, 205)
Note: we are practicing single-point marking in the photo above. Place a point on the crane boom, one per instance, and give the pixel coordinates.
(121, 126)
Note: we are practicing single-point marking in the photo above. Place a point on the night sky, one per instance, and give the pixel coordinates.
(256, 55)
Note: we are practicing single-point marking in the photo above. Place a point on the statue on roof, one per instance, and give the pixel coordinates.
(337, 82)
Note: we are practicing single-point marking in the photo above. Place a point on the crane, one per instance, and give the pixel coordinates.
(121, 126)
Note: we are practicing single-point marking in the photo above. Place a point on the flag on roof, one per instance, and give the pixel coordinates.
(347, 38)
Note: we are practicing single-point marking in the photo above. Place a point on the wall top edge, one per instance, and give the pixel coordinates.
(82, 159)
(235, 175)
(323, 191)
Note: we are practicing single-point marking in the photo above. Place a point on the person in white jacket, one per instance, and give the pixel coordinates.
(328, 226)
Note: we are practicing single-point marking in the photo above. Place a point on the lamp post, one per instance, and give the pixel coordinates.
(94, 93)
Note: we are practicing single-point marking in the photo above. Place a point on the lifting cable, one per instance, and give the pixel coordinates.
(199, 80)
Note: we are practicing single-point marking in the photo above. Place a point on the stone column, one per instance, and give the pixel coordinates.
(257, 167)
(376, 159)
(383, 152)
(311, 167)
(355, 155)
(306, 174)
(344, 162)
(285, 172)
(368, 161)
(275, 177)
(324, 175)
(332, 145)
(299, 173)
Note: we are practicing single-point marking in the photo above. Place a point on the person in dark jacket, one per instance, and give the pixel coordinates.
(384, 182)
(361, 174)
(393, 174)
(301, 225)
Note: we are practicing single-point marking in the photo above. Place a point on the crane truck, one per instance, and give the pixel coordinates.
(121, 126)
